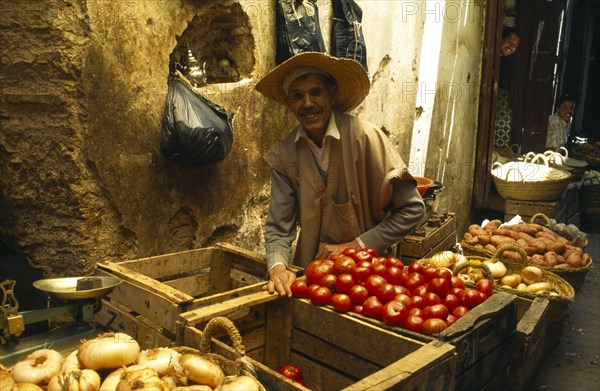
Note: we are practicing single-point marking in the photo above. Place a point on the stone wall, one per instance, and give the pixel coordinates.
(84, 85)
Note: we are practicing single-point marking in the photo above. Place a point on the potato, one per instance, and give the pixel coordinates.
(540, 245)
(502, 231)
(532, 274)
(537, 259)
(491, 248)
(557, 247)
(550, 258)
(585, 259)
(511, 255)
(525, 236)
(539, 287)
(526, 228)
(511, 280)
(484, 239)
(492, 225)
(476, 230)
(467, 236)
(499, 240)
(574, 260)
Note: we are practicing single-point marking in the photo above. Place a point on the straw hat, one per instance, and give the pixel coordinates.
(352, 80)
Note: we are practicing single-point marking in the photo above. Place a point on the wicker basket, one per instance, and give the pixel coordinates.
(237, 367)
(529, 181)
(591, 160)
(566, 293)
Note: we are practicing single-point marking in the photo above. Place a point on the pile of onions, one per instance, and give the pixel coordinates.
(134, 377)
(236, 383)
(38, 367)
(108, 351)
(162, 360)
(201, 370)
(71, 362)
(75, 380)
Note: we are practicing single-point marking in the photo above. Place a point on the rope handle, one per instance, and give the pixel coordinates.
(222, 323)
(534, 158)
(510, 247)
(474, 264)
(540, 215)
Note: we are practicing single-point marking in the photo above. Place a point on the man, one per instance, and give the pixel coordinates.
(559, 123)
(510, 41)
(508, 46)
(337, 176)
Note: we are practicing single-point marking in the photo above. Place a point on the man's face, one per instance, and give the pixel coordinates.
(566, 110)
(509, 44)
(311, 100)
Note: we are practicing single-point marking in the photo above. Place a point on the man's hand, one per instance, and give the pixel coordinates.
(331, 249)
(280, 280)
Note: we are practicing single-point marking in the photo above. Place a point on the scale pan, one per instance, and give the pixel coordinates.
(66, 288)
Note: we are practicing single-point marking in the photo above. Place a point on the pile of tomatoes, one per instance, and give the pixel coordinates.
(419, 298)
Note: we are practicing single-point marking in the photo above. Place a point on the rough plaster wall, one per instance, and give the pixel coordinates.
(84, 87)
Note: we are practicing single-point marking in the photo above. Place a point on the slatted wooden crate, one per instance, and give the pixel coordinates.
(535, 335)
(156, 290)
(335, 351)
(483, 338)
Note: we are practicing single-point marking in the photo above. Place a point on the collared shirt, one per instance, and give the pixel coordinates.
(321, 154)
(558, 132)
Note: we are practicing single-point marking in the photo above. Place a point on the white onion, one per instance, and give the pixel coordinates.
(75, 380)
(162, 360)
(237, 383)
(38, 367)
(6, 377)
(25, 387)
(108, 351)
(201, 370)
(140, 378)
(71, 362)
(111, 381)
(194, 387)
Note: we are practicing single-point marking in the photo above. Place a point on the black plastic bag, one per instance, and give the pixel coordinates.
(298, 28)
(347, 39)
(195, 131)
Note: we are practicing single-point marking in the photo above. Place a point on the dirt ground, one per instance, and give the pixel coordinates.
(574, 363)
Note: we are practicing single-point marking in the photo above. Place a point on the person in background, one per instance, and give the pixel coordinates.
(559, 123)
(510, 42)
(336, 176)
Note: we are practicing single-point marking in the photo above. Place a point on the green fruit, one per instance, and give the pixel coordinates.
(224, 63)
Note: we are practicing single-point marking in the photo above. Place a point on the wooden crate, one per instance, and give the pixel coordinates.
(482, 338)
(526, 209)
(429, 238)
(533, 339)
(158, 289)
(335, 351)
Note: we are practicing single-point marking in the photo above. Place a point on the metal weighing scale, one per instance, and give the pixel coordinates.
(78, 296)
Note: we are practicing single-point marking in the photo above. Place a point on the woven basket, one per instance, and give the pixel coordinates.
(593, 161)
(510, 153)
(237, 367)
(566, 293)
(529, 181)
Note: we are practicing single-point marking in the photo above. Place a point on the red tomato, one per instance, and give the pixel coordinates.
(311, 288)
(413, 323)
(376, 260)
(418, 302)
(434, 325)
(443, 272)
(415, 268)
(372, 307)
(373, 283)
(393, 261)
(379, 268)
(341, 302)
(371, 251)
(451, 301)
(439, 286)
(416, 311)
(404, 299)
(402, 289)
(357, 309)
(350, 252)
(386, 292)
(317, 269)
(429, 272)
(291, 372)
(420, 290)
(484, 286)
(456, 291)
(457, 282)
(320, 295)
(450, 319)
(343, 265)
(460, 311)
(358, 294)
(328, 280)
(470, 297)
(361, 273)
(363, 255)
(414, 280)
(394, 313)
(435, 311)
(393, 275)
(299, 288)
(336, 256)
(344, 282)
(431, 298)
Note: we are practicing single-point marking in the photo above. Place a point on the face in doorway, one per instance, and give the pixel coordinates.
(510, 44)
(566, 110)
(311, 98)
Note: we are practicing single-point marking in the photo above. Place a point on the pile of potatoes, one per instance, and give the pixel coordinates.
(543, 246)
